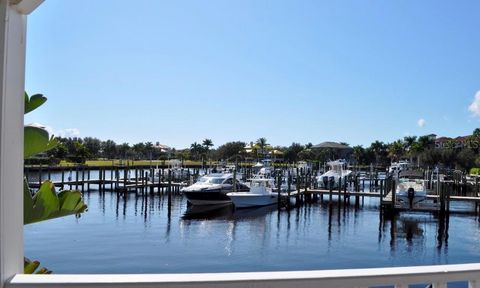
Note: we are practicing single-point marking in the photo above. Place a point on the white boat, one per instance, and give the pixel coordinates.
(260, 194)
(397, 167)
(212, 189)
(336, 172)
(411, 188)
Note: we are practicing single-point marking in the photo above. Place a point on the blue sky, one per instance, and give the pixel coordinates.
(291, 71)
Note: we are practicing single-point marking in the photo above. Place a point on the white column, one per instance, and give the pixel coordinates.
(12, 82)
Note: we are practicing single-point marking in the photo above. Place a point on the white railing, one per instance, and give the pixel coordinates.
(438, 276)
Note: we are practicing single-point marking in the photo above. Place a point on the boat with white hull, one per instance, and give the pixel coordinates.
(336, 172)
(411, 188)
(260, 194)
(212, 189)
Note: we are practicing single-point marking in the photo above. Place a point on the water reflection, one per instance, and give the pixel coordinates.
(408, 230)
(222, 238)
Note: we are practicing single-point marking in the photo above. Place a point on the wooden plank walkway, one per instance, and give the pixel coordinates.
(336, 192)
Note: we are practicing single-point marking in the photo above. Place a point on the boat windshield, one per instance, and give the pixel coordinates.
(260, 184)
(211, 180)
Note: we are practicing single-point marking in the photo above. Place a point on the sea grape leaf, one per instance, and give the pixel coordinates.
(46, 204)
(37, 141)
(33, 102)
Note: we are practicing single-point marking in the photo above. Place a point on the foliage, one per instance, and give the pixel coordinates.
(293, 151)
(231, 150)
(44, 204)
(33, 267)
(475, 171)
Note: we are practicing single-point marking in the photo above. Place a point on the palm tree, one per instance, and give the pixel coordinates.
(476, 132)
(408, 142)
(196, 149)
(207, 143)
(262, 144)
(379, 149)
(396, 150)
(358, 153)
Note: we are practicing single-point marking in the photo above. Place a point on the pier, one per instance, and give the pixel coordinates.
(162, 180)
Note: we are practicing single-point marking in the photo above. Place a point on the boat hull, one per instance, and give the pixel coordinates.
(245, 200)
(418, 197)
(207, 198)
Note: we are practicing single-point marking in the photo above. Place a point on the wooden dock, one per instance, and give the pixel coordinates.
(124, 179)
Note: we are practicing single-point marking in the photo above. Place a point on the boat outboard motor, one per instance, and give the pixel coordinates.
(410, 195)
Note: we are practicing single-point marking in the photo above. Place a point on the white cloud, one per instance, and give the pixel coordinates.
(474, 108)
(67, 132)
(421, 122)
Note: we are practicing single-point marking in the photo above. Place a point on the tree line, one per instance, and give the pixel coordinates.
(419, 150)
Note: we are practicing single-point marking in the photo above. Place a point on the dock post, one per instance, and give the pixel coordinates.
(76, 177)
(441, 192)
(381, 187)
(345, 196)
(169, 188)
(83, 178)
(63, 178)
(111, 178)
(357, 189)
(40, 176)
(88, 179)
(306, 196)
(330, 187)
(279, 188)
(289, 187)
(49, 171)
(136, 180)
(117, 179)
(100, 179)
(340, 182)
(125, 174)
(448, 200)
(394, 196)
(297, 197)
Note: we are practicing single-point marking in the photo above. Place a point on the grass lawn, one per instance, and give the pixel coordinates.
(127, 162)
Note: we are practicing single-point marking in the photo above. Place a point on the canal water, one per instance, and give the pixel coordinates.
(140, 234)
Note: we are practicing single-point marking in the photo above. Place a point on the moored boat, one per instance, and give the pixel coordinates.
(212, 189)
(332, 177)
(411, 188)
(260, 194)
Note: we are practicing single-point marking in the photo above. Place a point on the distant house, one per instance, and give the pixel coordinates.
(459, 142)
(442, 142)
(432, 137)
(162, 148)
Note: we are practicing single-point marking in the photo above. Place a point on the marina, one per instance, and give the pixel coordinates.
(291, 190)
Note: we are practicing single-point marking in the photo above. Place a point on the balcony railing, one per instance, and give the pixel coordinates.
(437, 276)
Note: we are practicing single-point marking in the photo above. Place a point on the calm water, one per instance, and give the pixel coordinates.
(141, 235)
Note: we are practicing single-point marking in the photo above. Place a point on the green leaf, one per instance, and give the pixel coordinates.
(30, 267)
(33, 102)
(37, 141)
(46, 204)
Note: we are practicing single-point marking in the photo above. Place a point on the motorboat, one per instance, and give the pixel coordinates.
(263, 169)
(331, 178)
(397, 167)
(260, 194)
(411, 188)
(213, 188)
